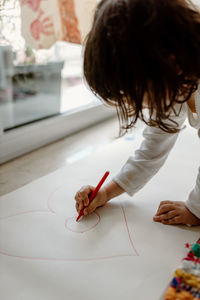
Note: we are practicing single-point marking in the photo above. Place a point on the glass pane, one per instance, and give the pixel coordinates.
(36, 84)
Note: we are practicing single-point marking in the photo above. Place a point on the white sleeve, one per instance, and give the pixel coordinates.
(193, 202)
(150, 157)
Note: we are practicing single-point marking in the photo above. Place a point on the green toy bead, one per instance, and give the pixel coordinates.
(196, 249)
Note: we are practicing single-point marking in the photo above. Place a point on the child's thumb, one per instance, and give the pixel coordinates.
(91, 207)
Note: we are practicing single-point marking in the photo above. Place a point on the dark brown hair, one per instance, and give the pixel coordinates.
(144, 47)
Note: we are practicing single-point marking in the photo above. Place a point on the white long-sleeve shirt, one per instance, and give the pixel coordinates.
(153, 152)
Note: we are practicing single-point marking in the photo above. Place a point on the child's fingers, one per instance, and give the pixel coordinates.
(82, 195)
(164, 202)
(169, 215)
(77, 207)
(84, 192)
(79, 201)
(165, 208)
(174, 221)
(92, 206)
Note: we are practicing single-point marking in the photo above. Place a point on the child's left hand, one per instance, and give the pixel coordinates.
(175, 212)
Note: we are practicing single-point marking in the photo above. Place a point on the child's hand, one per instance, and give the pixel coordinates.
(82, 199)
(175, 212)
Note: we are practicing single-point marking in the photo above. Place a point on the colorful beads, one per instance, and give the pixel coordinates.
(196, 249)
(186, 282)
(188, 278)
(175, 282)
(185, 296)
(172, 294)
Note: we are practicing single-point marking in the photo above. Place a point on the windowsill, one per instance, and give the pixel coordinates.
(32, 136)
(43, 105)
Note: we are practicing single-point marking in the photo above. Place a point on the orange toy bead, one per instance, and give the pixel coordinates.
(170, 294)
(184, 296)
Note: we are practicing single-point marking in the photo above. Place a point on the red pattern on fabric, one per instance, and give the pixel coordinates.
(33, 4)
(69, 21)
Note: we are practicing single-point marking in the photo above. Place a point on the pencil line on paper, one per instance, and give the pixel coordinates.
(129, 235)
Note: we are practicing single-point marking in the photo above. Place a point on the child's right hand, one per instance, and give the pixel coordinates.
(82, 199)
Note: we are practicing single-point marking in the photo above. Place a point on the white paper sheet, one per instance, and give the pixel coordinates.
(116, 253)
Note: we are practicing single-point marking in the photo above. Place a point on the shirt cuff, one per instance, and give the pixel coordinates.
(193, 206)
(125, 187)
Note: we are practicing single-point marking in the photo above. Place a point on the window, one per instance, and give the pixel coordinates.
(42, 95)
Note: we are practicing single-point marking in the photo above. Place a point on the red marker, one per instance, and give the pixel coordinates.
(94, 193)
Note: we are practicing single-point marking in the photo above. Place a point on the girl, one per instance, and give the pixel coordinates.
(146, 54)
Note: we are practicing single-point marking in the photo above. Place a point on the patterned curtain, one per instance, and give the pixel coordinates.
(46, 21)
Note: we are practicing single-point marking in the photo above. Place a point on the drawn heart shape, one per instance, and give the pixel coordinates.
(51, 234)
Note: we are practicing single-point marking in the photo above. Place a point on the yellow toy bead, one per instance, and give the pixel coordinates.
(188, 278)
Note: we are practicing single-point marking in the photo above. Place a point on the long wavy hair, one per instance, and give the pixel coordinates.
(144, 49)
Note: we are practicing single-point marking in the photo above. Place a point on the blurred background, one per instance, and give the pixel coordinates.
(26, 92)
(41, 78)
